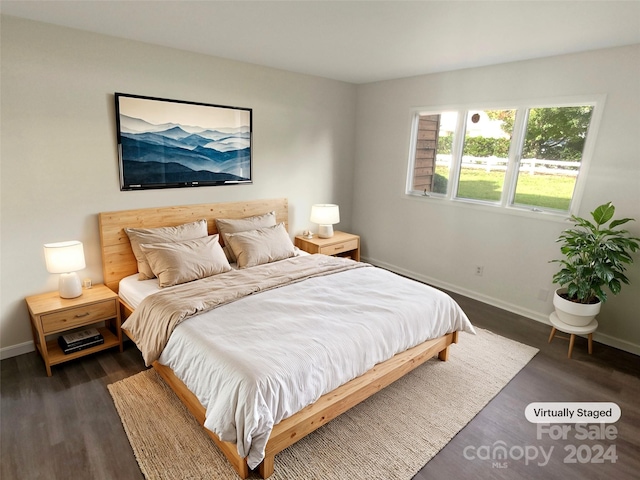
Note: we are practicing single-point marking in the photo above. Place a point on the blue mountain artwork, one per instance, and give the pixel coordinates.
(157, 155)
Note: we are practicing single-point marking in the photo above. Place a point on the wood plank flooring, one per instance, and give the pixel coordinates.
(66, 425)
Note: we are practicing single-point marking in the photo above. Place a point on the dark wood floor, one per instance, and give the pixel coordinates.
(66, 426)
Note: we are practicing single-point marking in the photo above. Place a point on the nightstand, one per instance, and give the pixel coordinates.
(341, 244)
(51, 315)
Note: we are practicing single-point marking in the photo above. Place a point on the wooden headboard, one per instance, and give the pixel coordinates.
(118, 260)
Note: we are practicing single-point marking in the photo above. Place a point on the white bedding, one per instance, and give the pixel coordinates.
(133, 291)
(258, 360)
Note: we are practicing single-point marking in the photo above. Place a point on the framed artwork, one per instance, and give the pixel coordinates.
(166, 143)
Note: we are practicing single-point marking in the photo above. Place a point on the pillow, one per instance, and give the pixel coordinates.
(234, 225)
(138, 236)
(263, 245)
(184, 261)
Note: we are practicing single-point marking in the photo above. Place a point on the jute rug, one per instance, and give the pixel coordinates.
(391, 435)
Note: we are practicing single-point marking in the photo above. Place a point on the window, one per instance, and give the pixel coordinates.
(485, 154)
(527, 158)
(433, 151)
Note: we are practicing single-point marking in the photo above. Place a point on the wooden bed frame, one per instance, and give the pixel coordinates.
(118, 262)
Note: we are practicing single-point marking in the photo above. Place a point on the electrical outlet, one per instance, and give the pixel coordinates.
(479, 270)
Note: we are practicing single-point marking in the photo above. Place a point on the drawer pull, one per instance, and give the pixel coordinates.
(339, 248)
(80, 315)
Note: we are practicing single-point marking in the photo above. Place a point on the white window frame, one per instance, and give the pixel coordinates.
(511, 175)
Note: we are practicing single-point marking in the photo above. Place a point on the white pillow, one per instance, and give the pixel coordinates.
(184, 261)
(138, 236)
(233, 225)
(263, 245)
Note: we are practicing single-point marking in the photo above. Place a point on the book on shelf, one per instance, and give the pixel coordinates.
(66, 350)
(81, 339)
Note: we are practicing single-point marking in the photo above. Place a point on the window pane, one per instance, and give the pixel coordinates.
(433, 152)
(486, 154)
(551, 156)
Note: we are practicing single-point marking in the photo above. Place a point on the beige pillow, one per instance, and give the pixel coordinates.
(138, 236)
(184, 261)
(263, 245)
(234, 225)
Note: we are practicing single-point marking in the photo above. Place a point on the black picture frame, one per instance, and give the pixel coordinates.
(165, 143)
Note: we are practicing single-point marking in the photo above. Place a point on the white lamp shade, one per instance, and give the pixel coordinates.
(64, 257)
(325, 215)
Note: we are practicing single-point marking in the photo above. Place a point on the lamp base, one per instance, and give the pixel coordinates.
(69, 285)
(325, 231)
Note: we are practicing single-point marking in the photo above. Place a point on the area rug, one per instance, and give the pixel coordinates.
(391, 435)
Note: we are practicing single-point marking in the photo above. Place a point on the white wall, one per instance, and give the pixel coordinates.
(441, 243)
(58, 144)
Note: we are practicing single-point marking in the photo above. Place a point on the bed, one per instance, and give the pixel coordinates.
(307, 330)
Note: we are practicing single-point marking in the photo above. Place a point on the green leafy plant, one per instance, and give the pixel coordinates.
(596, 256)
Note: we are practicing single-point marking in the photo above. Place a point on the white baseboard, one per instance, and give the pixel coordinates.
(616, 342)
(15, 350)
(509, 307)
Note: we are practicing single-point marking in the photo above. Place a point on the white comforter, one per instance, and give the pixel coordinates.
(258, 360)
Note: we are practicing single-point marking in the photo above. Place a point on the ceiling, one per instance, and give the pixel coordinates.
(354, 41)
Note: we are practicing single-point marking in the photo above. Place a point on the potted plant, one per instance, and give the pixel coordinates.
(596, 256)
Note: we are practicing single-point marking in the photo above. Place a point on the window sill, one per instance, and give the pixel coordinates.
(489, 208)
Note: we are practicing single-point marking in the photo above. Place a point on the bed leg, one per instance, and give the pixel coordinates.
(444, 354)
(266, 467)
(242, 470)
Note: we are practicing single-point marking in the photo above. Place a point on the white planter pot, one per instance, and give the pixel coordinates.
(576, 314)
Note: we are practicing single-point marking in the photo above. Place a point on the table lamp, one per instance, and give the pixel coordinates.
(66, 258)
(325, 215)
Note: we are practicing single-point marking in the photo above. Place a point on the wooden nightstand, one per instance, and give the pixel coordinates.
(341, 244)
(51, 315)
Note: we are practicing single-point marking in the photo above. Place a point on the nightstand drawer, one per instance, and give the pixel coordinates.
(339, 247)
(83, 315)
